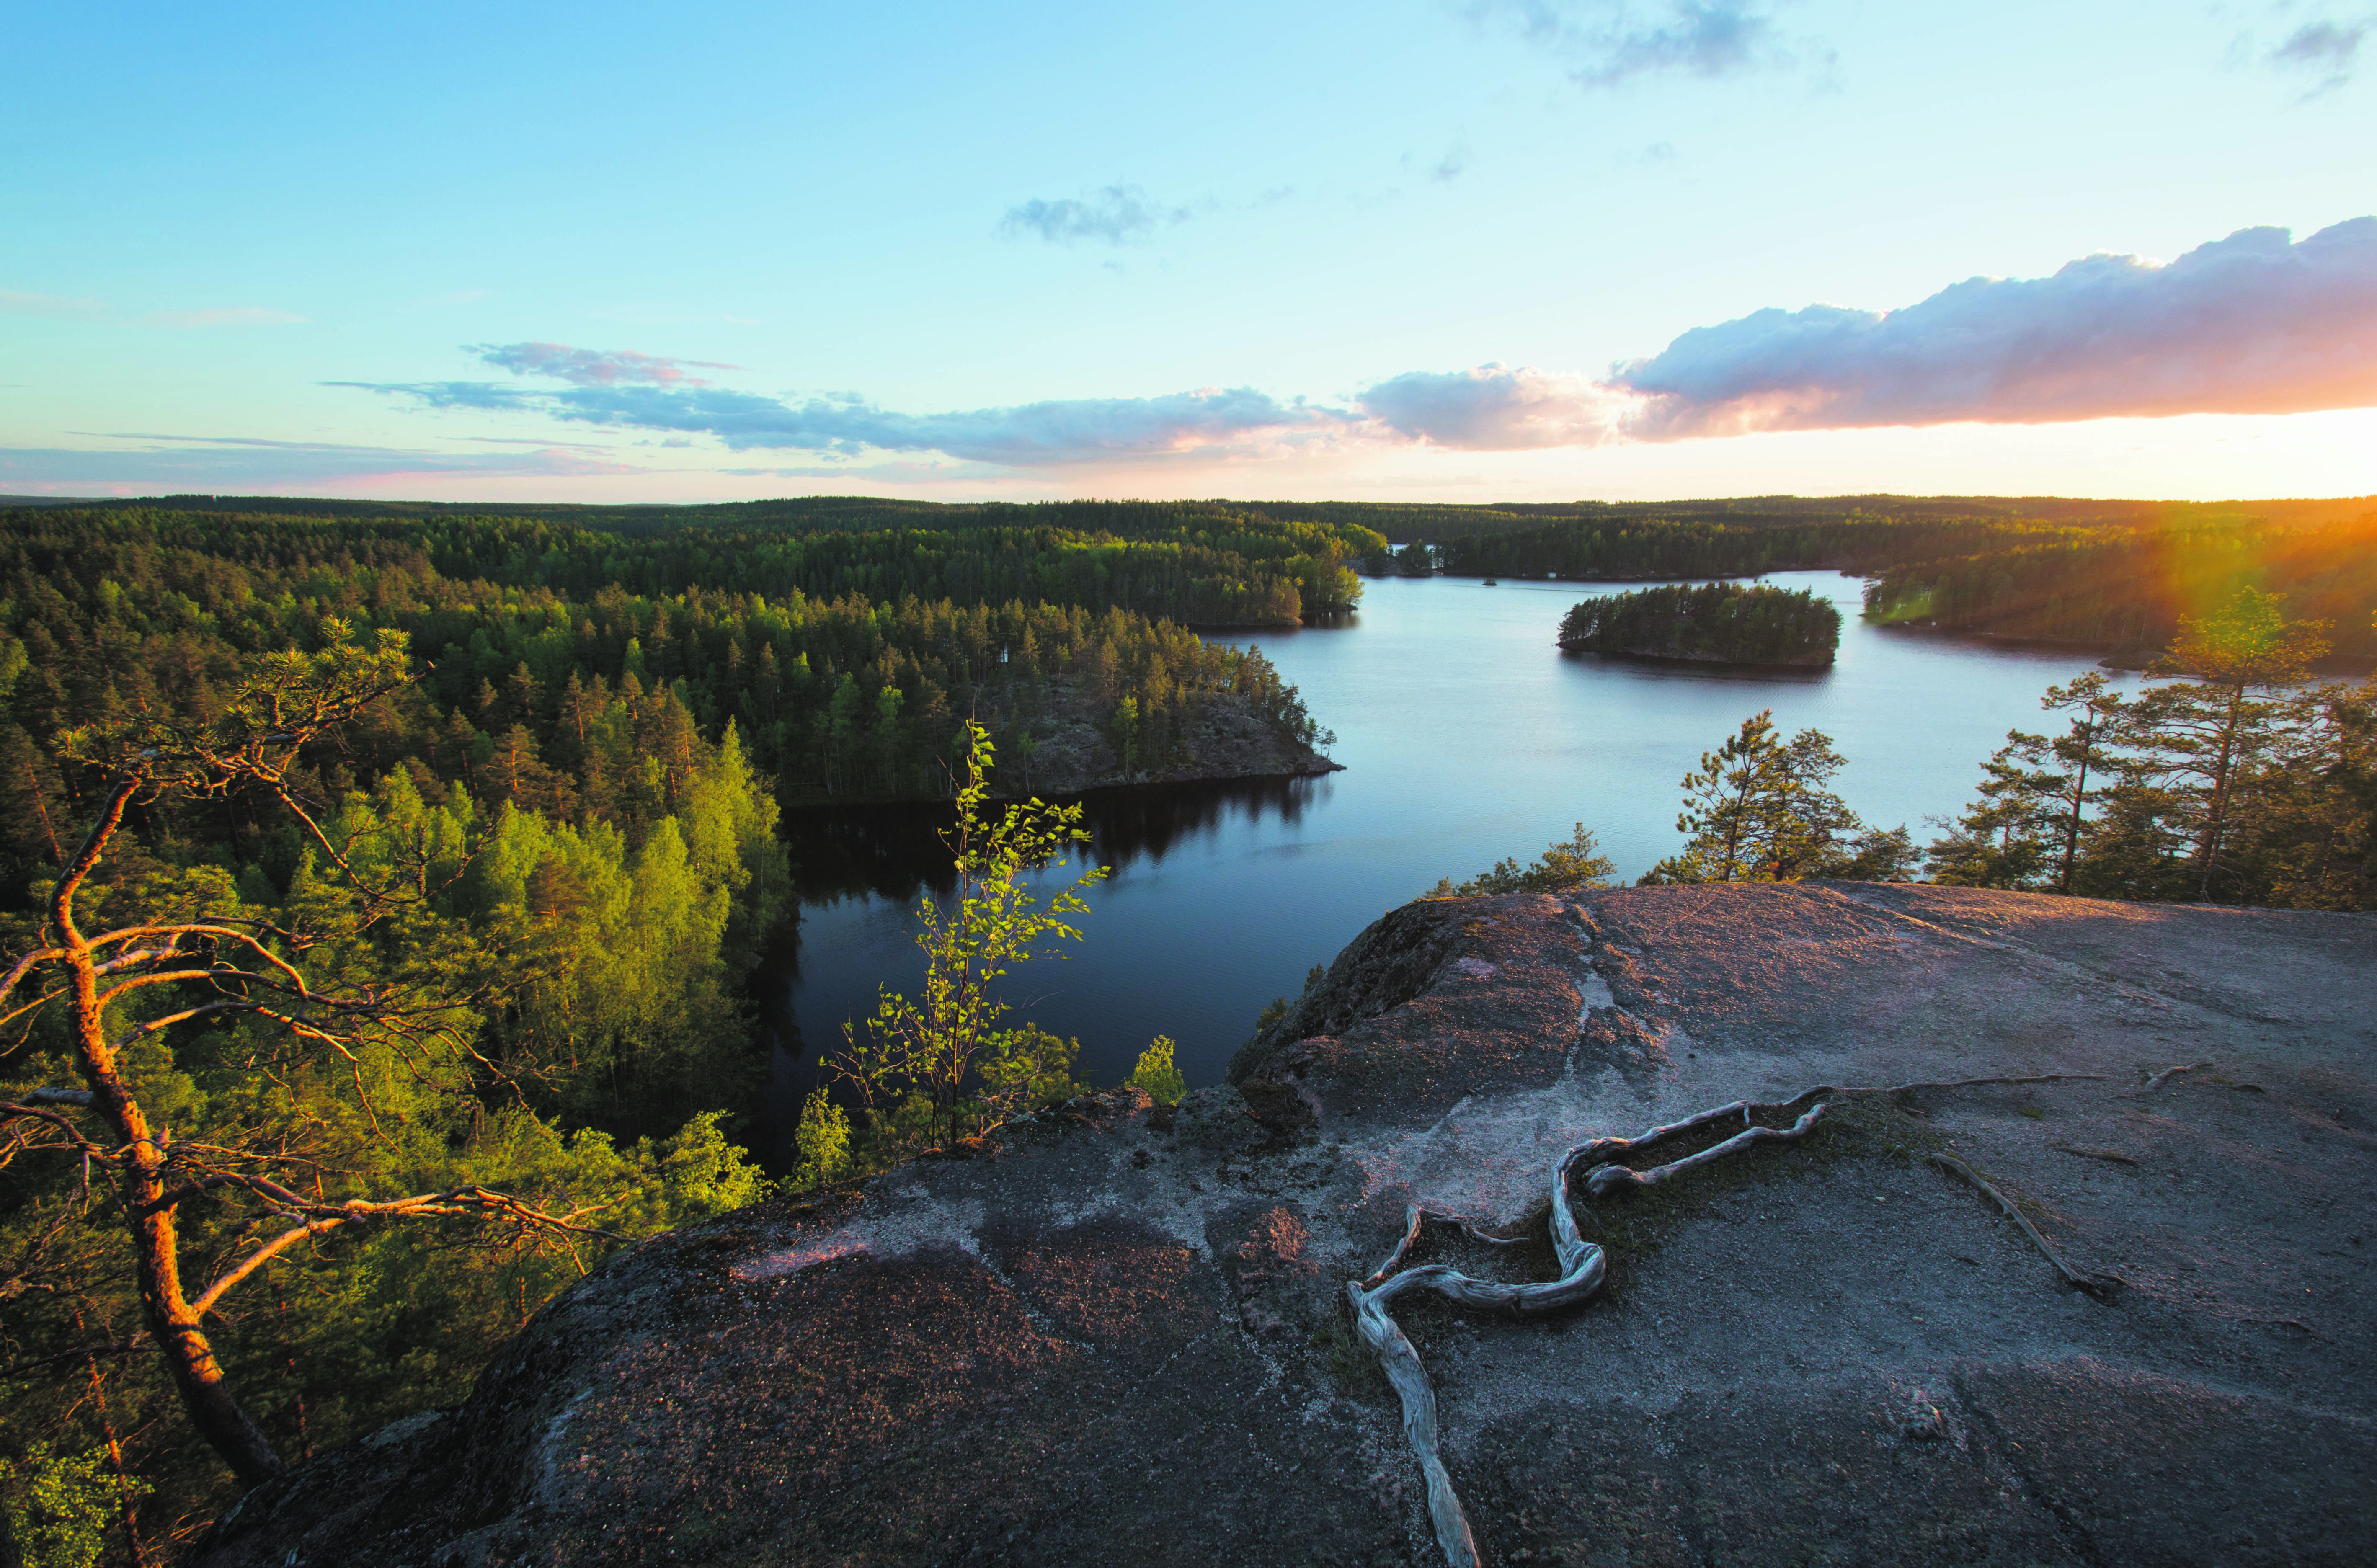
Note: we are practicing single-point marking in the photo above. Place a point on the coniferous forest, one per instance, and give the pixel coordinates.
(2118, 575)
(455, 985)
(1718, 622)
(434, 849)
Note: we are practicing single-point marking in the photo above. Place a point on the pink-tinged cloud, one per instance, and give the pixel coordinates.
(1212, 419)
(2252, 324)
(595, 367)
(234, 465)
(1494, 408)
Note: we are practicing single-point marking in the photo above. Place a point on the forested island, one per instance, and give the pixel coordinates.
(1727, 622)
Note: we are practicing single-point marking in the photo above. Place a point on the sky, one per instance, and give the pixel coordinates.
(1425, 250)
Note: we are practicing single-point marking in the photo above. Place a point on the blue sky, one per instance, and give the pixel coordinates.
(1425, 250)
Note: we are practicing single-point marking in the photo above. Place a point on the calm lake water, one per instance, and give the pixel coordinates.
(1466, 736)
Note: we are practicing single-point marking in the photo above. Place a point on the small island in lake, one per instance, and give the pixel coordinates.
(1724, 623)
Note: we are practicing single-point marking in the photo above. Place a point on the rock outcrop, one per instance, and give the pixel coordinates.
(1222, 736)
(1122, 1336)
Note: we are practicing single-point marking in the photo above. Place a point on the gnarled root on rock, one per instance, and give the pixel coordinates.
(1583, 1264)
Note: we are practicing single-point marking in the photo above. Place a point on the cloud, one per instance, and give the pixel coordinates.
(1494, 409)
(1114, 215)
(16, 302)
(2250, 324)
(1445, 170)
(2328, 50)
(899, 470)
(232, 463)
(1028, 434)
(592, 367)
(1607, 43)
(2256, 323)
(237, 316)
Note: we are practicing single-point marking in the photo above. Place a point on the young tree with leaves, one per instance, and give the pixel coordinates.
(946, 1066)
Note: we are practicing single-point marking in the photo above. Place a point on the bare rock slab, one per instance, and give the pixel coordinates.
(1122, 1338)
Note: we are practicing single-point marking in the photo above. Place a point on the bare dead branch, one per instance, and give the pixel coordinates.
(83, 1352)
(11, 1110)
(257, 1259)
(23, 968)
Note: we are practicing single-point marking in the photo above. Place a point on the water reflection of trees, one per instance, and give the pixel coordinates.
(894, 851)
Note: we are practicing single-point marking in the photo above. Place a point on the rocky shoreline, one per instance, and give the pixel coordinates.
(1668, 655)
(1118, 1332)
(1222, 735)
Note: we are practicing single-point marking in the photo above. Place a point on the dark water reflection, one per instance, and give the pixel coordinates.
(1466, 735)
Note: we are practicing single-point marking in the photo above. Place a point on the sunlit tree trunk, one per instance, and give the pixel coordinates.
(174, 1322)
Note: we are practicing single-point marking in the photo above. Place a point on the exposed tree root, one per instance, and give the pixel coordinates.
(2114, 1155)
(2104, 1287)
(1582, 1266)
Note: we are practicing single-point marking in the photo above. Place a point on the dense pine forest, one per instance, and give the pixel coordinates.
(1721, 622)
(508, 900)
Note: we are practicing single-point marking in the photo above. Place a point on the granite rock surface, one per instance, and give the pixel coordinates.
(1119, 1336)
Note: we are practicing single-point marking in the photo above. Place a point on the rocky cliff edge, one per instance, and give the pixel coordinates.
(1122, 1335)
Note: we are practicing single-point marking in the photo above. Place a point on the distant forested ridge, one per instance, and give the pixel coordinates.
(845, 660)
(2115, 573)
(1720, 622)
(2119, 575)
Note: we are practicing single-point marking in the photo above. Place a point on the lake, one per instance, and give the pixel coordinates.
(1466, 735)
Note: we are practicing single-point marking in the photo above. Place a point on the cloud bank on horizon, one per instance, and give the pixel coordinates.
(2255, 323)
(2252, 324)
(208, 464)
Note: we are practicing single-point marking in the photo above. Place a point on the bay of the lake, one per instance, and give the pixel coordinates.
(1466, 736)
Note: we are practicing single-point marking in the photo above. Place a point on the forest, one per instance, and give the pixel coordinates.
(2116, 575)
(443, 987)
(407, 864)
(1719, 622)
(847, 689)
(2113, 574)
